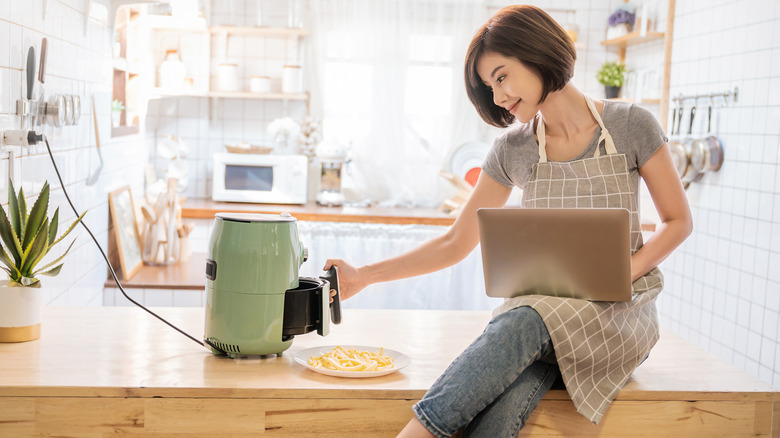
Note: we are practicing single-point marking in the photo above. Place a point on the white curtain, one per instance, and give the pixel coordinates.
(387, 78)
(460, 287)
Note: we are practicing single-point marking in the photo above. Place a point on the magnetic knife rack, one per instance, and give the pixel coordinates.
(59, 110)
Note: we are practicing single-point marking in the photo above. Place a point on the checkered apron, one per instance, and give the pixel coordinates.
(597, 344)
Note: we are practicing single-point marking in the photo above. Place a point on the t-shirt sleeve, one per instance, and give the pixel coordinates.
(645, 134)
(493, 166)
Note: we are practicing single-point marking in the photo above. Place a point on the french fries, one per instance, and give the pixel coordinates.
(342, 359)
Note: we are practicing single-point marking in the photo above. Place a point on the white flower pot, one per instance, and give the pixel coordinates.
(21, 310)
(617, 31)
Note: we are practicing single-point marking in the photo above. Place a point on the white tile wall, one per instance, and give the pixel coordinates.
(154, 297)
(722, 286)
(79, 63)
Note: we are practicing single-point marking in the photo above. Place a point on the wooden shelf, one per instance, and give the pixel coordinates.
(249, 95)
(260, 31)
(198, 25)
(160, 92)
(632, 39)
(118, 131)
(168, 23)
(644, 101)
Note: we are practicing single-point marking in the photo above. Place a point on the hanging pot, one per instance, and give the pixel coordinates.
(707, 153)
(679, 157)
(21, 312)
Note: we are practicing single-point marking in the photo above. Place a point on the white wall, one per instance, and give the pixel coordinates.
(78, 63)
(723, 285)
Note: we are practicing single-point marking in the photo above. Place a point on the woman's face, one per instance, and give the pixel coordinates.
(516, 88)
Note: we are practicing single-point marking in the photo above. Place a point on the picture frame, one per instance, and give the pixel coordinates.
(125, 231)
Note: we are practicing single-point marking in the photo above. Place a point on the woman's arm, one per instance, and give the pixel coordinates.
(670, 201)
(433, 255)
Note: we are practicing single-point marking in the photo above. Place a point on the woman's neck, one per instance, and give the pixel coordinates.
(565, 113)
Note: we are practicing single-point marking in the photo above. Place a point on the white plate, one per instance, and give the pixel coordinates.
(302, 357)
(465, 157)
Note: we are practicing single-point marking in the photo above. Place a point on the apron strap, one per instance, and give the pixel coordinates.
(542, 140)
(609, 145)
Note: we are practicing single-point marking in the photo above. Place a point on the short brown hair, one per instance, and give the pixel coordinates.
(528, 34)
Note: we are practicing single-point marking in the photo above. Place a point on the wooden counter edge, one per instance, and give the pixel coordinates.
(349, 393)
(208, 213)
(335, 216)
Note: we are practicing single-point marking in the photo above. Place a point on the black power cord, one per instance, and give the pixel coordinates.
(205, 342)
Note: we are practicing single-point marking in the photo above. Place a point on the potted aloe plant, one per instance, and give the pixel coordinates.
(26, 239)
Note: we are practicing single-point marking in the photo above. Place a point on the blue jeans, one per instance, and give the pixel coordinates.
(491, 389)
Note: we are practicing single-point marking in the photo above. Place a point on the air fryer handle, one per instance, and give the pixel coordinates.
(335, 306)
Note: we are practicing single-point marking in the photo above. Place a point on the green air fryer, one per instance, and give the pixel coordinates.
(255, 301)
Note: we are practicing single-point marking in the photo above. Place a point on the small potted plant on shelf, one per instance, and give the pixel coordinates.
(611, 75)
(27, 237)
(116, 112)
(621, 21)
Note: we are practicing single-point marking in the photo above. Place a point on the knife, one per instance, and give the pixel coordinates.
(40, 115)
(42, 69)
(30, 72)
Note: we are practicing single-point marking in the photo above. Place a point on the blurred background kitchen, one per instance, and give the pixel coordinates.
(371, 93)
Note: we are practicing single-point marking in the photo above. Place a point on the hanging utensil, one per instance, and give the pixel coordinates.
(25, 106)
(94, 177)
(679, 157)
(150, 240)
(41, 116)
(707, 153)
(30, 72)
(689, 175)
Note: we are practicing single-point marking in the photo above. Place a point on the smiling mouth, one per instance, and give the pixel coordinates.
(512, 108)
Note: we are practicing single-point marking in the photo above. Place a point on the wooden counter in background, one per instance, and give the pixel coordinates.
(190, 274)
(311, 211)
(206, 209)
(111, 372)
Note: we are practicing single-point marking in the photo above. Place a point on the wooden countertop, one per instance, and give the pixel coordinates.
(311, 211)
(123, 351)
(117, 371)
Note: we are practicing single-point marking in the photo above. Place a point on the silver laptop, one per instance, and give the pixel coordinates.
(578, 253)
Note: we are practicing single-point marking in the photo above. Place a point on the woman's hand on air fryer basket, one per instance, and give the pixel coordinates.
(350, 280)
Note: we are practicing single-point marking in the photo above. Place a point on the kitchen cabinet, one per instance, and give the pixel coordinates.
(625, 42)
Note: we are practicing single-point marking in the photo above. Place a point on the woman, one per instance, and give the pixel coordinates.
(562, 154)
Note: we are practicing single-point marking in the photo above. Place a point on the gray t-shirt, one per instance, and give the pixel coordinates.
(634, 129)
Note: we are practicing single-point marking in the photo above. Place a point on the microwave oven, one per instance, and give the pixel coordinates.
(260, 178)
